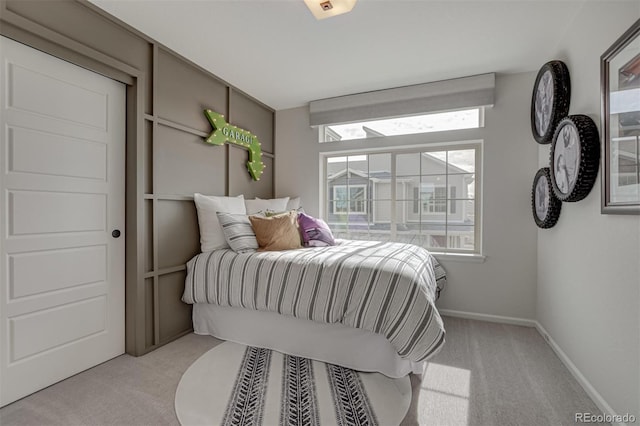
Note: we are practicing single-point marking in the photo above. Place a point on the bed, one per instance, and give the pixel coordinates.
(365, 305)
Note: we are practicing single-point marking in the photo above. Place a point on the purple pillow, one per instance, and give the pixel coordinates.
(315, 232)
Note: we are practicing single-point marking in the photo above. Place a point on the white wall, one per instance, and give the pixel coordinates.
(505, 283)
(580, 279)
(588, 264)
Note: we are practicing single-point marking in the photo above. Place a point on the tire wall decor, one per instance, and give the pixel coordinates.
(544, 203)
(575, 158)
(575, 146)
(550, 100)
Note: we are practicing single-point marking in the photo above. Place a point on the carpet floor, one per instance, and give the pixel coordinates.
(486, 374)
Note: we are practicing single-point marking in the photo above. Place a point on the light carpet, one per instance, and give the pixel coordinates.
(487, 374)
(233, 384)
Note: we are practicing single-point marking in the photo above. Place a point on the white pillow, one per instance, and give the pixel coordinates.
(293, 204)
(274, 204)
(211, 234)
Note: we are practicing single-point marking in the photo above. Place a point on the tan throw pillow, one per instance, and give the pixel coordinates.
(276, 232)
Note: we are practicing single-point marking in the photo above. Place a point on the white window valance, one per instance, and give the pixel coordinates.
(445, 95)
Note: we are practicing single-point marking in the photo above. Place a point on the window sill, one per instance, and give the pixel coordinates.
(460, 257)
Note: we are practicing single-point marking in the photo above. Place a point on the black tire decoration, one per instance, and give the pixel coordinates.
(550, 100)
(575, 157)
(544, 203)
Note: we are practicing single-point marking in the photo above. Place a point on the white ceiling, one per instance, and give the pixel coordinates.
(277, 52)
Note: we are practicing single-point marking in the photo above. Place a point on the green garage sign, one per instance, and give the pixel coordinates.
(225, 132)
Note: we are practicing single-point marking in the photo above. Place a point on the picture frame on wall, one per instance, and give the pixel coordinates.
(620, 124)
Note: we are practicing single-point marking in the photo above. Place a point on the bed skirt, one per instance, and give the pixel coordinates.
(338, 344)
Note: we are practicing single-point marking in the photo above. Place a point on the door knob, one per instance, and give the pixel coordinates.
(115, 233)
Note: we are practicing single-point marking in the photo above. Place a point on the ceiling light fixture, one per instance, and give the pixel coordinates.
(322, 9)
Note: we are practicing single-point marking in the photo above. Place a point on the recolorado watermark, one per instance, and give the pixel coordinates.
(604, 418)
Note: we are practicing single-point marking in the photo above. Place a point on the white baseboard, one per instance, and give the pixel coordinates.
(577, 374)
(491, 318)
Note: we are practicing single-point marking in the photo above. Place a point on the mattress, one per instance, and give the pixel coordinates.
(337, 344)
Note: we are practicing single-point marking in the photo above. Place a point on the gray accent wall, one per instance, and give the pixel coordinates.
(167, 159)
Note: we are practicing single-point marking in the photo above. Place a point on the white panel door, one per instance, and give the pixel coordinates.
(62, 172)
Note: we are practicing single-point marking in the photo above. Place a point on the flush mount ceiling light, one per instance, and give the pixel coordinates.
(322, 9)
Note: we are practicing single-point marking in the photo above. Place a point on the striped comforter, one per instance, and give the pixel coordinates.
(387, 288)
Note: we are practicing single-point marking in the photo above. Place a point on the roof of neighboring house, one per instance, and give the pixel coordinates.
(455, 169)
(382, 174)
(344, 172)
(372, 133)
(375, 176)
(385, 175)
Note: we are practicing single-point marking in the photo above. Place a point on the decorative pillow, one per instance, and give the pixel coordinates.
(315, 232)
(270, 213)
(276, 232)
(258, 205)
(238, 232)
(211, 235)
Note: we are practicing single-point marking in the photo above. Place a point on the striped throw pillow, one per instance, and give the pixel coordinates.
(238, 232)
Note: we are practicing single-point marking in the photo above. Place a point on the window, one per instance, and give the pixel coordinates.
(433, 200)
(427, 196)
(349, 199)
(434, 122)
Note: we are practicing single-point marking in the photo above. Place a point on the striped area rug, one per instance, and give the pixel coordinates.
(235, 385)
